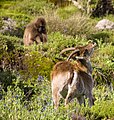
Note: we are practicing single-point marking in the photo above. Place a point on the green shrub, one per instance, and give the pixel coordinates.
(103, 110)
(8, 43)
(104, 36)
(29, 7)
(5, 4)
(6, 79)
(16, 58)
(40, 106)
(103, 63)
(36, 64)
(57, 42)
(103, 105)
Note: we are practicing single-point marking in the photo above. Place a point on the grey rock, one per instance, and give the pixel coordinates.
(105, 24)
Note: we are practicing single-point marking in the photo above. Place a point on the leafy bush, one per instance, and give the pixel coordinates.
(103, 63)
(104, 36)
(36, 64)
(8, 43)
(17, 58)
(6, 79)
(103, 105)
(40, 106)
(57, 42)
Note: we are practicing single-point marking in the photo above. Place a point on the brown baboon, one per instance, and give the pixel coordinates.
(35, 32)
(73, 79)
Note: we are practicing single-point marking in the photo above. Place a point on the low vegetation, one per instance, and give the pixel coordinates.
(25, 87)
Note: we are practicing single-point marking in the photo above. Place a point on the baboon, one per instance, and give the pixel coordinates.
(73, 79)
(35, 32)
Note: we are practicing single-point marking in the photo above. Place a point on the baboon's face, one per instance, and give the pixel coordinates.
(41, 29)
(89, 50)
(41, 25)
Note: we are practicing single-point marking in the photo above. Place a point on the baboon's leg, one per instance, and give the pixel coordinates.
(90, 98)
(81, 100)
(30, 39)
(71, 88)
(44, 38)
(38, 40)
(56, 97)
(68, 95)
(30, 42)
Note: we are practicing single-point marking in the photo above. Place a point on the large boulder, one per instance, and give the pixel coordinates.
(105, 24)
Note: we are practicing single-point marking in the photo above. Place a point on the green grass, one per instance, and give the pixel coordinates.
(66, 12)
(15, 105)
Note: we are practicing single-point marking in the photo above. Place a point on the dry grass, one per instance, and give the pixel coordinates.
(76, 25)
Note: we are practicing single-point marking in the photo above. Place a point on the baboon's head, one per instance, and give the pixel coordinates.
(40, 22)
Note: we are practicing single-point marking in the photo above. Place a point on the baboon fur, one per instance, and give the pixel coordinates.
(35, 32)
